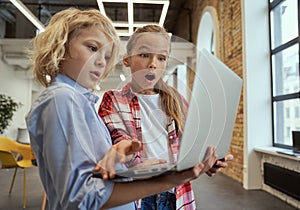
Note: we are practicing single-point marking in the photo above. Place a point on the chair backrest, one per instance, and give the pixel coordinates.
(9, 145)
(7, 160)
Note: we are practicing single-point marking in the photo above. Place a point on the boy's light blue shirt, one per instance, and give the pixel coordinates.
(68, 139)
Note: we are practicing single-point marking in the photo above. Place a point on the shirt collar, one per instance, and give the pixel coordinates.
(60, 78)
(127, 89)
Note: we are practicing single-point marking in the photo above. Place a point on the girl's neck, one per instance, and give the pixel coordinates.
(137, 89)
(147, 92)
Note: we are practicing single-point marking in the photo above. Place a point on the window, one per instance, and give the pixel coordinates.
(297, 112)
(284, 43)
(206, 32)
(287, 115)
(288, 132)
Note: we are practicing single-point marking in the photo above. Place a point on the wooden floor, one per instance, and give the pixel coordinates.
(212, 193)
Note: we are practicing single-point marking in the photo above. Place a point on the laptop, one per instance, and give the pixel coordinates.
(295, 151)
(210, 118)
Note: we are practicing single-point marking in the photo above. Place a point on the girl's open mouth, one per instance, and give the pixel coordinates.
(150, 77)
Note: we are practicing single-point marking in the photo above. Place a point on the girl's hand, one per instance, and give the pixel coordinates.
(187, 175)
(120, 152)
(209, 159)
(221, 163)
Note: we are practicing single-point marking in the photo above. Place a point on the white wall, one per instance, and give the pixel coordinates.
(15, 83)
(257, 91)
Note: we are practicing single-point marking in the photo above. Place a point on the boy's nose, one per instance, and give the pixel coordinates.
(100, 60)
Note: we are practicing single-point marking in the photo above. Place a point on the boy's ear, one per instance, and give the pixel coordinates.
(126, 61)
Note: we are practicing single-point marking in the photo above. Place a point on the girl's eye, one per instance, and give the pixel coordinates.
(162, 58)
(144, 55)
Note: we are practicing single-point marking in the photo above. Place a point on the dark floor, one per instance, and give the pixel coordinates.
(212, 193)
(223, 193)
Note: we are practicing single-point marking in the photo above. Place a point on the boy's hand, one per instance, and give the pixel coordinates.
(117, 153)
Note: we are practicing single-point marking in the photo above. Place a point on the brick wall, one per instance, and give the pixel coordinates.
(230, 52)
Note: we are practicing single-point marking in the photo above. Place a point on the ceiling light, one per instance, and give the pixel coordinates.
(28, 14)
(130, 16)
(164, 13)
(131, 24)
(101, 7)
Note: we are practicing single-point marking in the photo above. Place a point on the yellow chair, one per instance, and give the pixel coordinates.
(16, 155)
(44, 201)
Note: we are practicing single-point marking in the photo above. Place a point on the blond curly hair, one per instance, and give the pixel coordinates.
(50, 46)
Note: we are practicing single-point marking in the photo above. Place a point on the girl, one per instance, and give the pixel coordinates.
(150, 111)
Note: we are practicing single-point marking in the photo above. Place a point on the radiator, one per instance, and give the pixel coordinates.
(282, 179)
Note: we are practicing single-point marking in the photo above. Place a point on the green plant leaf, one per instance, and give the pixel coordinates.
(7, 108)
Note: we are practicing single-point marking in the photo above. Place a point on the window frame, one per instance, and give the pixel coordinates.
(280, 48)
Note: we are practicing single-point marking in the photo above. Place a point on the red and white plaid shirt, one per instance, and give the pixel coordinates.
(120, 111)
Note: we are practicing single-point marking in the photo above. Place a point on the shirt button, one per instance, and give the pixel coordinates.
(91, 97)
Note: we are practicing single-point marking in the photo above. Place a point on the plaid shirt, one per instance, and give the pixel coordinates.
(120, 111)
